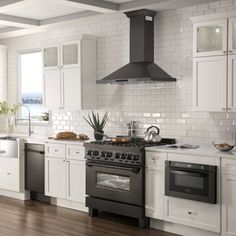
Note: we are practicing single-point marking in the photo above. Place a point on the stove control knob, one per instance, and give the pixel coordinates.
(95, 153)
(124, 156)
(109, 154)
(129, 157)
(90, 152)
(136, 157)
(118, 155)
(103, 154)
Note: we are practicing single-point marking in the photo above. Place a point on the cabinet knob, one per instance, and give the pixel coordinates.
(190, 213)
(229, 109)
(224, 52)
(230, 51)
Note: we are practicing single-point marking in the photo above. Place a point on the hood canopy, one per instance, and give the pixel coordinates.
(141, 67)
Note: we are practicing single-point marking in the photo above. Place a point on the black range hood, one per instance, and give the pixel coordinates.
(141, 67)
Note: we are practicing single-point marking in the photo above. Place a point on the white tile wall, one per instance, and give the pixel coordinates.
(167, 105)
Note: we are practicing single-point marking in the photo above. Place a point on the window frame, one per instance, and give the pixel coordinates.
(18, 116)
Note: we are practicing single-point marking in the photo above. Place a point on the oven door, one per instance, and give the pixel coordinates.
(190, 184)
(115, 182)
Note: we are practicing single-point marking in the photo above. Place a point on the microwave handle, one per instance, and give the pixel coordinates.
(133, 169)
(187, 172)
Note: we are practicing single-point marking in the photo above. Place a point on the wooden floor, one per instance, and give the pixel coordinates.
(31, 218)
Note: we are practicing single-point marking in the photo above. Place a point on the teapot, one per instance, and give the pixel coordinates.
(152, 136)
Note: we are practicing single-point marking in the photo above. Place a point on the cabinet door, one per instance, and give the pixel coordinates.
(9, 174)
(232, 82)
(3, 73)
(232, 36)
(55, 177)
(70, 54)
(76, 181)
(209, 83)
(52, 89)
(51, 57)
(71, 89)
(229, 205)
(210, 38)
(155, 192)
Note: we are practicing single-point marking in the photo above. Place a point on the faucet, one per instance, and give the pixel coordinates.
(30, 131)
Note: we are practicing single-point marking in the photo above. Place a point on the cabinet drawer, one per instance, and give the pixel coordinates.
(55, 150)
(200, 215)
(155, 158)
(229, 166)
(75, 152)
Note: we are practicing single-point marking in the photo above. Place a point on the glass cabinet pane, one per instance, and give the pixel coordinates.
(50, 57)
(70, 54)
(209, 38)
(234, 35)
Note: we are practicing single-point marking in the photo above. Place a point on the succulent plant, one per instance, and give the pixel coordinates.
(96, 122)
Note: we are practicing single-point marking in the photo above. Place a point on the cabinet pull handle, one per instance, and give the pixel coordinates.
(77, 152)
(223, 109)
(8, 173)
(56, 150)
(229, 109)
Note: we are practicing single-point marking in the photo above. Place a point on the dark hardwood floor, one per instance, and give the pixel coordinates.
(31, 218)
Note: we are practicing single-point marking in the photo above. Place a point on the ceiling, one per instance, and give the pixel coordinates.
(19, 17)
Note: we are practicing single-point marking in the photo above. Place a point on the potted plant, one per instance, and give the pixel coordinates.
(97, 123)
(9, 113)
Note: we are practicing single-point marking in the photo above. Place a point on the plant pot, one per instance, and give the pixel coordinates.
(97, 136)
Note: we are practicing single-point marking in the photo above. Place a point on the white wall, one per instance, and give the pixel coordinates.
(167, 105)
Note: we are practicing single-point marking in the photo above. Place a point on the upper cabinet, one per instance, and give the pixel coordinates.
(70, 75)
(210, 38)
(3, 73)
(51, 57)
(214, 63)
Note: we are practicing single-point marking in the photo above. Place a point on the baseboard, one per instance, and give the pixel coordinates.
(69, 204)
(179, 229)
(18, 195)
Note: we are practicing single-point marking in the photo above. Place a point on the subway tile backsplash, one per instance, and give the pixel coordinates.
(167, 105)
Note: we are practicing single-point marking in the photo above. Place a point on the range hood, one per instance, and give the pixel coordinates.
(141, 67)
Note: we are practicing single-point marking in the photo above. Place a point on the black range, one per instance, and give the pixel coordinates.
(115, 177)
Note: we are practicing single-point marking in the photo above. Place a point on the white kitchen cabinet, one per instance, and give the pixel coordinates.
(65, 172)
(210, 83)
(51, 57)
(155, 164)
(76, 181)
(75, 77)
(228, 197)
(52, 89)
(232, 36)
(3, 73)
(70, 54)
(210, 38)
(232, 83)
(9, 174)
(192, 213)
(55, 177)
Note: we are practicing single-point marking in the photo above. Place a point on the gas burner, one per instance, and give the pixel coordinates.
(130, 153)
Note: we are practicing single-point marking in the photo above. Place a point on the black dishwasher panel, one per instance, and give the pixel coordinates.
(34, 167)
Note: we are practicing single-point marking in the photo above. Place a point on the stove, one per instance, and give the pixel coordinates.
(115, 177)
(131, 153)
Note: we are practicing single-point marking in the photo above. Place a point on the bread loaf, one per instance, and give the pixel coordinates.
(66, 135)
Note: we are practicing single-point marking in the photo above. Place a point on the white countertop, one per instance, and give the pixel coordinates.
(203, 150)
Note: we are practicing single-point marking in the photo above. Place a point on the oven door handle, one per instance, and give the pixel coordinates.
(133, 169)
(187, 172)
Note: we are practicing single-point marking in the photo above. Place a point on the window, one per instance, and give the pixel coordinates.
(31, 87)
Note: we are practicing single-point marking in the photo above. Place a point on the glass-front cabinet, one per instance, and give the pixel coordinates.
(51, 57)
(210, 38)
(70, 54)
(232, 36)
